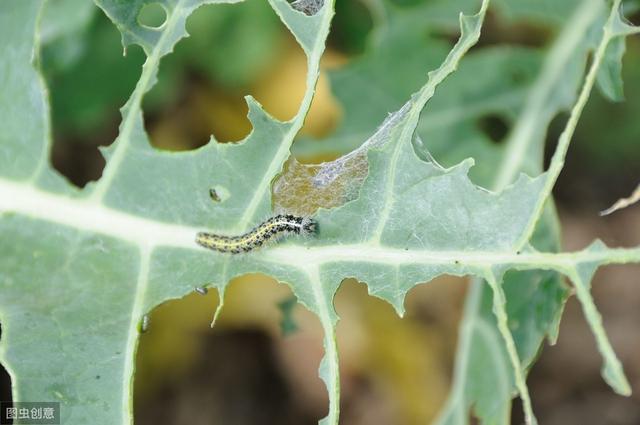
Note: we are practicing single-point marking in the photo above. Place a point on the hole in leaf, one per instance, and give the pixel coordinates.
(396, 369)
(448, 35)
(351, 27)
(5, 380)
(235, 380)
(87, 90)
(612, 171)
(494, 126)
(517, 412)
(632, 14)
(233, 50)
(79, 161)
(500, 31)
(243, 371)
(5, 386)
(581, 396)
(152, 15)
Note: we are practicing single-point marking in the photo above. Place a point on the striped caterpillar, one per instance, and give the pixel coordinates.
(273, 229)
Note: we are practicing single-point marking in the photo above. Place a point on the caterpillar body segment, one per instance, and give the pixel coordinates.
(272, 229)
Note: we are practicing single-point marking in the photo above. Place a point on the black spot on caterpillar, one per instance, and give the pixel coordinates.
(273, 229)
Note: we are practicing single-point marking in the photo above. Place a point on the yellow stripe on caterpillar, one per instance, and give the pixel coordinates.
(274, 228)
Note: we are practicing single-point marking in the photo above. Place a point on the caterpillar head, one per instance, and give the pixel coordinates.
(309, 226)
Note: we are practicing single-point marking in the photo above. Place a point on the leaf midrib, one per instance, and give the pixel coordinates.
(148, 233)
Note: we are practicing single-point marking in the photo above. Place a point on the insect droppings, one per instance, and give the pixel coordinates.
(213, 194)
(144, 325)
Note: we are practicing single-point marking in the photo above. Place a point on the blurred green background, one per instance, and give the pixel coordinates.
(259, 364)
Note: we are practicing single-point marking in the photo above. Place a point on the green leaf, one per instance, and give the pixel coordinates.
(524, 86)
(107, 224)
(79, 269)
(518, 145)
(25, 125)
(610, 74)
